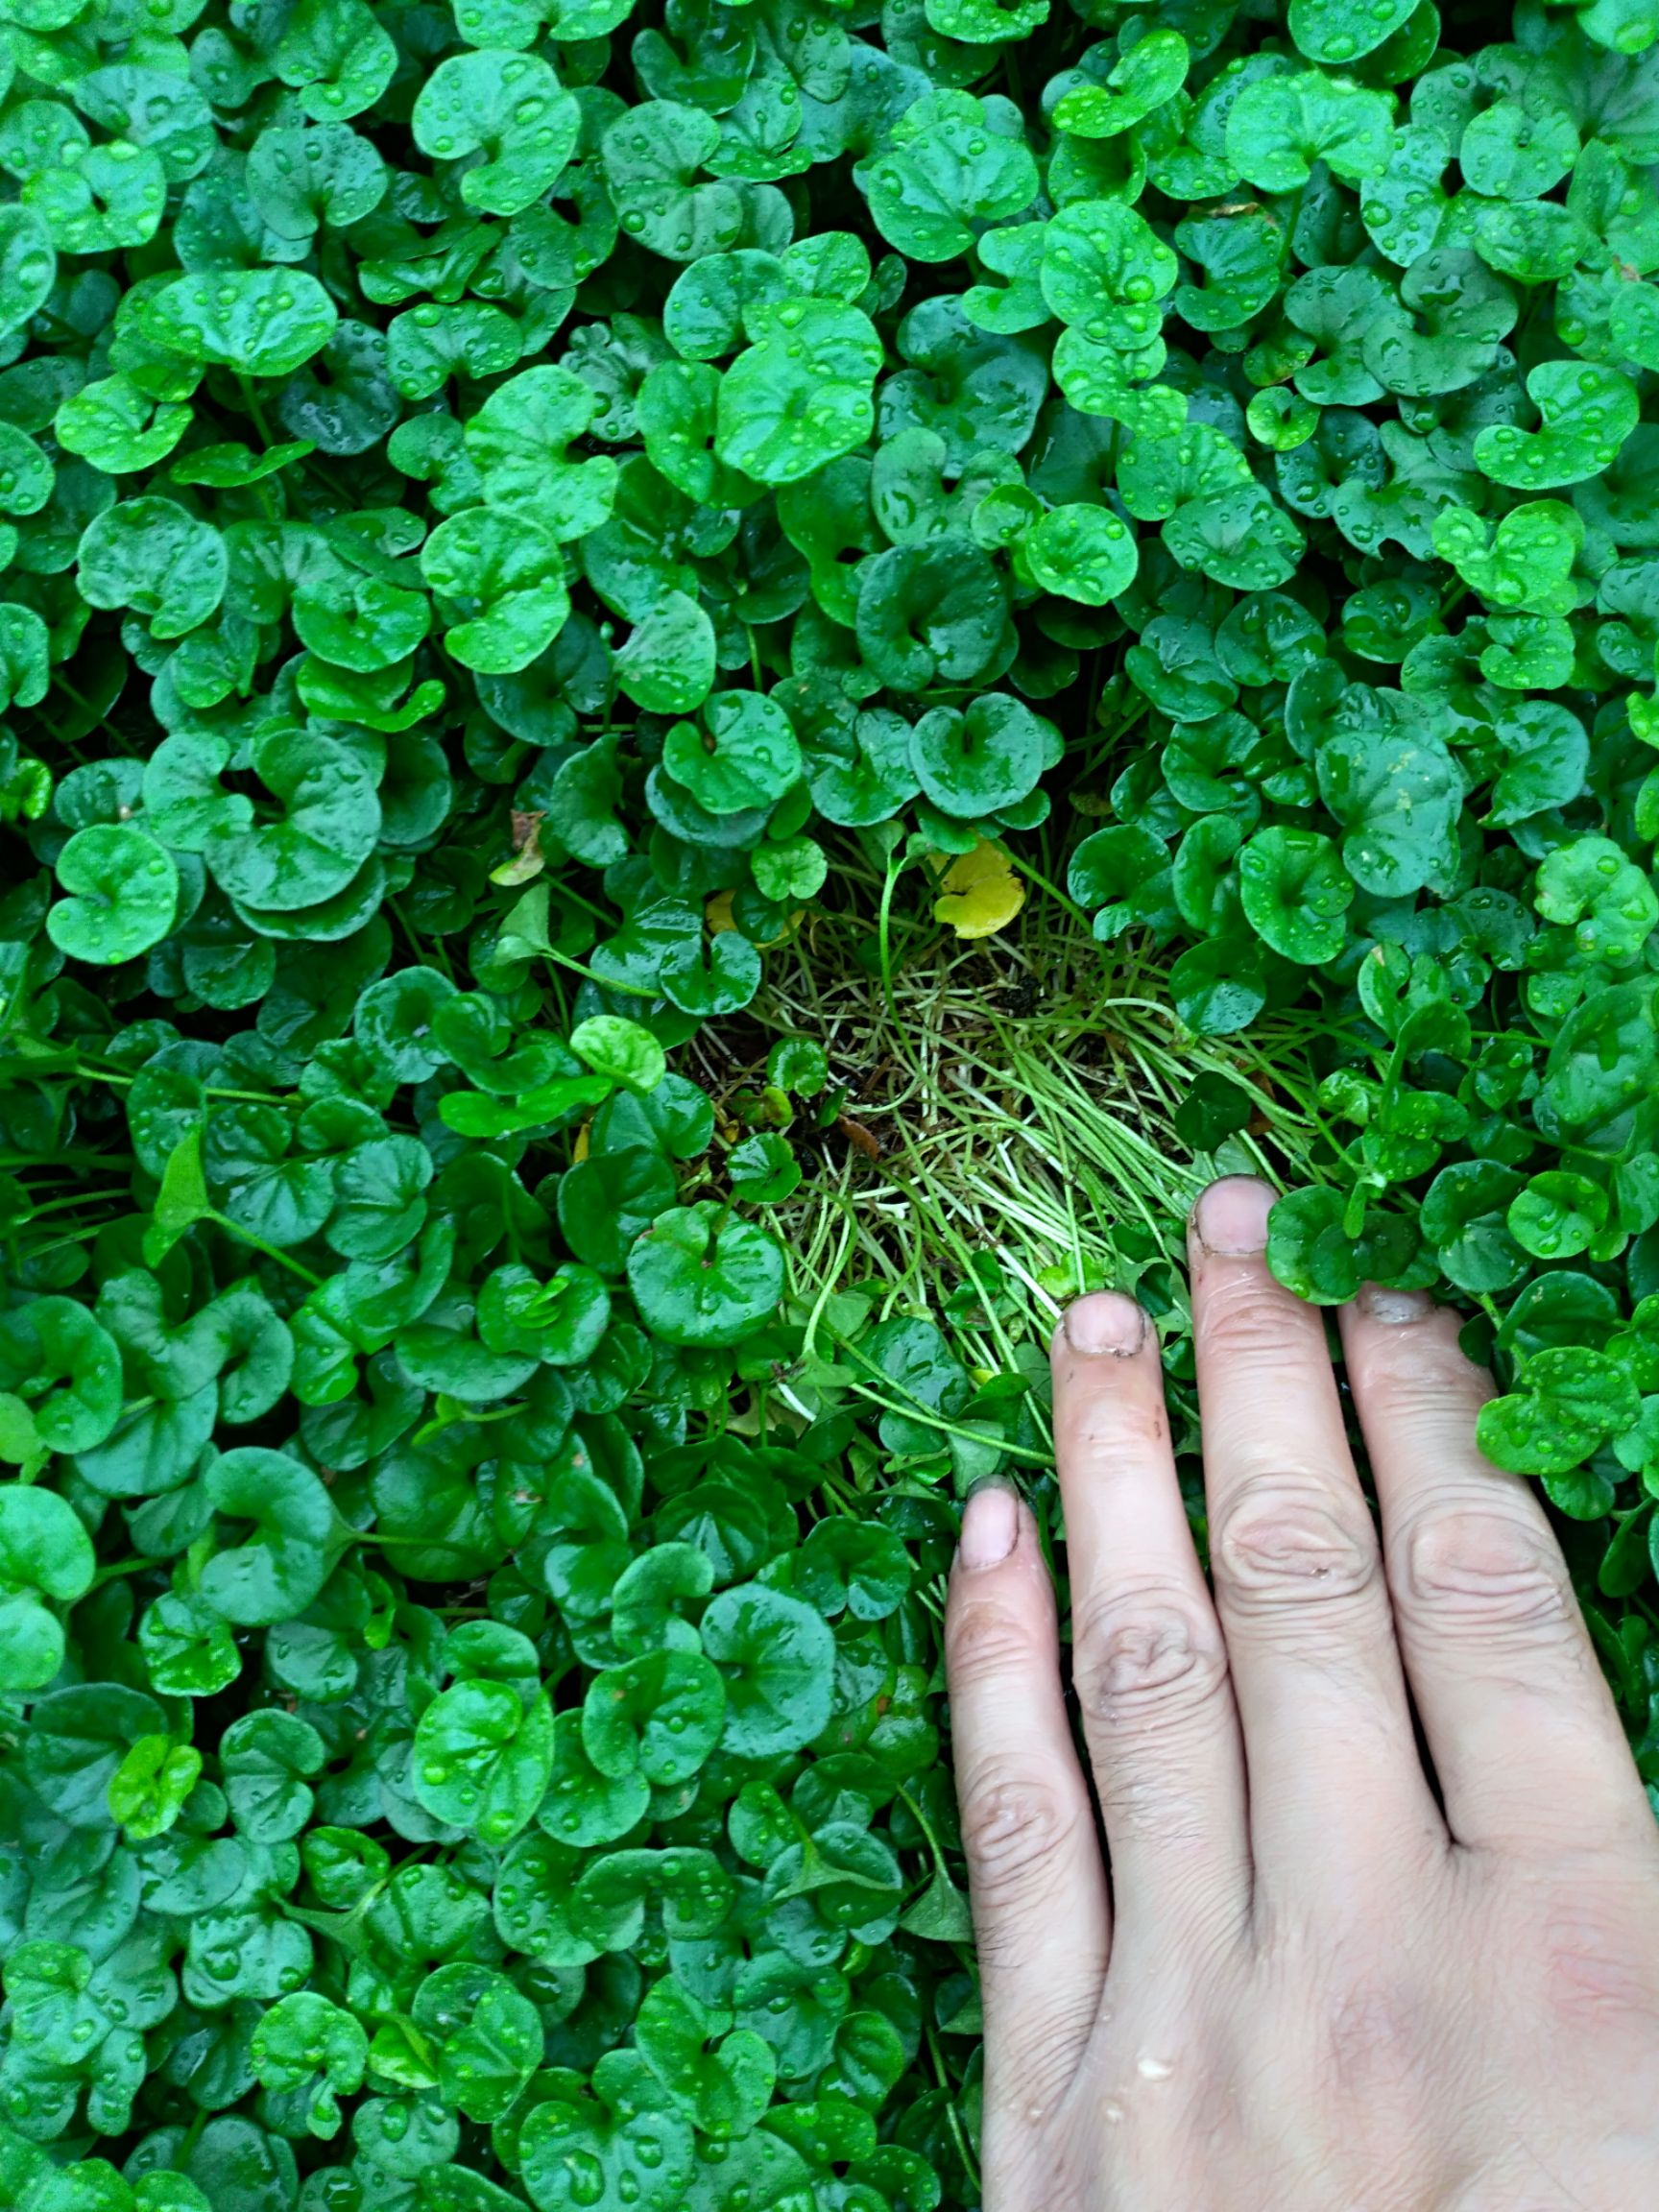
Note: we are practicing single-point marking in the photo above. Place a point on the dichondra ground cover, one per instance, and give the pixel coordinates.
(698, 699)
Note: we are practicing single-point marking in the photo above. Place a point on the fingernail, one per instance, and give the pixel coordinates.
(1104, 1322)
(1393, 1308)
(989, 1526)
(1231, 1217)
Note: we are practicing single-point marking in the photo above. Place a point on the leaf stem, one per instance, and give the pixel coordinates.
(252, 400)
(270, 1251)
(883, 928)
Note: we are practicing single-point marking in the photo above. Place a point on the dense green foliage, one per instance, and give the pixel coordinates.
(496, 500)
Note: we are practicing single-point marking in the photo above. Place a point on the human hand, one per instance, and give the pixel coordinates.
(1310, 1988)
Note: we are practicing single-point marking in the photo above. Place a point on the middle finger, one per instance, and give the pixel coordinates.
(1148, 1661)
(1336, 1782)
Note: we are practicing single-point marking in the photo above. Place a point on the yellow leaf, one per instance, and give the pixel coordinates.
(528, 860)
(981, 894)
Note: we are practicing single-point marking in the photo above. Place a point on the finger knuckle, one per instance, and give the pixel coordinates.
(986, 1640)
(1292, 1538)
(1244, 1322)
(1015, 1827)
(1484, 1569)
(1146, 1656)
(1119, 1433)
(1424, 1368)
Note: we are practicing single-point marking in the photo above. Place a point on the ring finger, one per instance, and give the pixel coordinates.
(1523, 1734)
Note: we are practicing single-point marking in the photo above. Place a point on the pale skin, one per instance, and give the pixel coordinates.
(1329, 1970)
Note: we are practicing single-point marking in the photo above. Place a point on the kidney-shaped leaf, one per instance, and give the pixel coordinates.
(700, 1277)
(777, 1657)
(285, 1561)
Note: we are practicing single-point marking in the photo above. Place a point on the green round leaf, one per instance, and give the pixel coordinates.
(974, 763)
(285, 1561)
(44, 1554)
(574, 2156)
(801, 394)
(659, 1714)
(123, 892)
(482, 1758)
(1295, 892)
(1570, 1401)
(698, 1279)
(777, 1658)
(747, 756)
(152, 556)
(1084, 553)
(264, 321)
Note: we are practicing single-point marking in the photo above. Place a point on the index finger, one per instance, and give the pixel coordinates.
(1034, 1871)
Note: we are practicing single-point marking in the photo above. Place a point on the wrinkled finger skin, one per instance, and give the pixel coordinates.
(1293, 1967)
